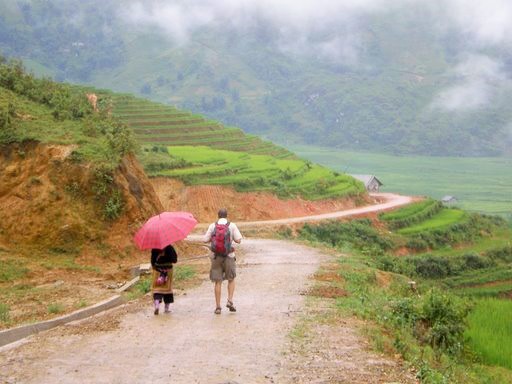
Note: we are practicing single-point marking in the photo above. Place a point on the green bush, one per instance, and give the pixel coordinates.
(436, 319)
(107, 192)
(443, 320)
(434, 266)
(358, 233)
(503, 254)
(114, 206)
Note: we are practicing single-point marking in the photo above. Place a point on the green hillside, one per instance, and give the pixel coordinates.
(176, 143)
(173, 143)
(155, 123)
(383, 100)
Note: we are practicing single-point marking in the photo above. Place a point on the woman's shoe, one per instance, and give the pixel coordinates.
(218, 310)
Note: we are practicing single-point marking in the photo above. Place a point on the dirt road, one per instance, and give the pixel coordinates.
(192, 344)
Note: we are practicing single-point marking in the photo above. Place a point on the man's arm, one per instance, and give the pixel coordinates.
(237, 236)
(208, 235)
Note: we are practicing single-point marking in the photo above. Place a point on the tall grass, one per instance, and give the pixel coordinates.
(490, 331)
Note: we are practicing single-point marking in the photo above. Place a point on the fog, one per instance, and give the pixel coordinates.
(331, 30)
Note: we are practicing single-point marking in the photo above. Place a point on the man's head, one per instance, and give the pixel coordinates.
(223, 213)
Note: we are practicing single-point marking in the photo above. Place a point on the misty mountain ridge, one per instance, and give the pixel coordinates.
(400, 77)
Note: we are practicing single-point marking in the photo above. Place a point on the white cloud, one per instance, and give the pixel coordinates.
(488, 22)
(325, 28)
(478, 77)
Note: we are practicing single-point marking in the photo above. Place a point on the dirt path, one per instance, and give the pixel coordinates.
(192, 345)
(392, 200)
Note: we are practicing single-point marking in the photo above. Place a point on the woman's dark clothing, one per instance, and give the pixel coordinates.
(166, 260)
(162, 267)
(167, 298)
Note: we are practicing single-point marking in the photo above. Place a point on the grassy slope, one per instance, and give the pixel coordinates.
(480, 184)
(488, 331)
(385, 298)
(221, 155)
(247, 172)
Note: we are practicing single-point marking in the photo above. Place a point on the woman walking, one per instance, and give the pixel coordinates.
(161, 286)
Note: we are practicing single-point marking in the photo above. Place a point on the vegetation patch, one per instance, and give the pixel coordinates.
(159, 124)
(490, 331)
(426, 322)
(480, 184)
(247, 172)
(411, 214)
(11, 270)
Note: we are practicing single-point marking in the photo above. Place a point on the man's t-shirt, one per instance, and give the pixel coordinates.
(233, 231)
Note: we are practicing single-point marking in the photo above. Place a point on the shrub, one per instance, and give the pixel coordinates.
(437, 319)
(107, 192)
(432, 267)
(358, 233)
(503, 254)
(114, 206)
(443, 320)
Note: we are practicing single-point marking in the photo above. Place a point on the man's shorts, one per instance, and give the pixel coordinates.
(223, 268)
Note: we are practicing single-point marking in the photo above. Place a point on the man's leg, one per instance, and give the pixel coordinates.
(231, 289)
(218, 286)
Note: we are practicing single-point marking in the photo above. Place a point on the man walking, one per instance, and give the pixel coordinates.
(221, 235)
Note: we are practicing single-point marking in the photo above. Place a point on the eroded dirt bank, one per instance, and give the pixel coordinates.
(205, 200)
(192, 345)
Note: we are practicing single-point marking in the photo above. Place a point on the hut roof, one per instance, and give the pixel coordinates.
(367, 179)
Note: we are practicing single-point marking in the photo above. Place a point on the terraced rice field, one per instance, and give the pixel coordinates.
(160, 124)
(253, 172)
(442, 219)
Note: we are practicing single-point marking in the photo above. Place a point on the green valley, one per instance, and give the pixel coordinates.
(479, 184)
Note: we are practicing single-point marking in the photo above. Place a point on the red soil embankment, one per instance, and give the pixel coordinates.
(204, 201)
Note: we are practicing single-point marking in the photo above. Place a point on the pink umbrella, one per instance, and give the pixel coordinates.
(164, 229)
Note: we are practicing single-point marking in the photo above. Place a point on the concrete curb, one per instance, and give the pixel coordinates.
(14, 334)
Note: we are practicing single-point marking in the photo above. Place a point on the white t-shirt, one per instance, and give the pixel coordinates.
(233, 231)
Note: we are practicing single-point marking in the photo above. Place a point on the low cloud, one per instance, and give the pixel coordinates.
(323, 28)
(477, 79)
(486, 22)
(329, 29)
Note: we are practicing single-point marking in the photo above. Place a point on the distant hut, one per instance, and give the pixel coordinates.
(449, 199)
(371, 183)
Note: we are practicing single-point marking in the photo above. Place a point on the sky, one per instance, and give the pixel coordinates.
(331, 30)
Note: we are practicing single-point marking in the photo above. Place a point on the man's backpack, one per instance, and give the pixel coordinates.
(221, 240)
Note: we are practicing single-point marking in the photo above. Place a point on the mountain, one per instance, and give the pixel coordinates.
(400, 80)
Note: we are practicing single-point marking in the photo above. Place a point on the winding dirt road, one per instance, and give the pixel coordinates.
(192, 344)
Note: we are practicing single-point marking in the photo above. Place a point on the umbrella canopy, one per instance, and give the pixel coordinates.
(164, 229)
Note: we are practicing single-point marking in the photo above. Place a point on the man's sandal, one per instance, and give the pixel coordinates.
(218, 310)
(231, 306)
